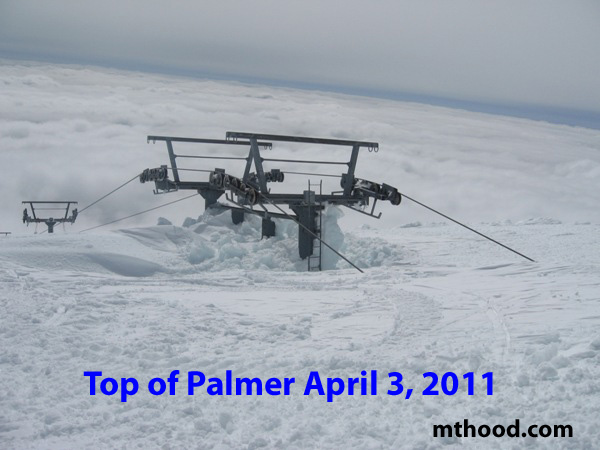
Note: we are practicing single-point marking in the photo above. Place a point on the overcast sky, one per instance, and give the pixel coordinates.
(541, 53)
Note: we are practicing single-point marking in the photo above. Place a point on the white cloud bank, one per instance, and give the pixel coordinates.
(69, 132)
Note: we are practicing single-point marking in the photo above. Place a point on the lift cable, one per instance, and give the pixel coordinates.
(313, 234)
(111, 192)
(468, 228)
(139, 213)
(93, 203)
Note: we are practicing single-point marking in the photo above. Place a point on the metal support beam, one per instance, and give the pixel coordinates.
(204, 141)
(306, 161)
(237, 216)
(248, 166)
(50, 223)
(172, 158)
(268, 227)
(210, 196)
(233, 135)
(306, 215)
(348, 180)
(247, 210)
(262, 180)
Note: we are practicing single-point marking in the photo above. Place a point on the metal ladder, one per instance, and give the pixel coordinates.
(314, 260)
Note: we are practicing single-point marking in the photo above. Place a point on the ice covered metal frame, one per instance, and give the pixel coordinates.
(51, 221)
(250, 190)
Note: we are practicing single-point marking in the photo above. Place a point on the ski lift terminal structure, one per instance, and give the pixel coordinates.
(249, 193)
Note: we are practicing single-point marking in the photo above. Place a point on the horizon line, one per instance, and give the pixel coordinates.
(550, 114)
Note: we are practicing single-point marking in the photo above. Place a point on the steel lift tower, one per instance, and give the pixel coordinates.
(49, 206)
(249, 193)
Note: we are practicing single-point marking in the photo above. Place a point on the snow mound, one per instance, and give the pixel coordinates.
(368, 252)
(540, 221)
(217, 244)
(333, 236)
(412, 225)
(188, 222)
(211, 244)
(81, 253)
(128, 266)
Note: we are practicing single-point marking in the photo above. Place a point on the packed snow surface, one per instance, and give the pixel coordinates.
(142, 302)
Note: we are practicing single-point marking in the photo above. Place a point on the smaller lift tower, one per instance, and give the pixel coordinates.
(49, 206)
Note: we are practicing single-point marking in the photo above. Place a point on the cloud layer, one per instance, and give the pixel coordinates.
(71, 132)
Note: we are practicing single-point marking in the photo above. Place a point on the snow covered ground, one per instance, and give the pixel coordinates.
(143, 300)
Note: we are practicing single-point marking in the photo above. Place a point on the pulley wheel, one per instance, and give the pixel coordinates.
(252, 196)
(217, 179)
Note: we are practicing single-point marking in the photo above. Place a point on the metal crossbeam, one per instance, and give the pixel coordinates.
(239, 158)
(306, 161)
(47, 202)
(204, 141)
(233, 135)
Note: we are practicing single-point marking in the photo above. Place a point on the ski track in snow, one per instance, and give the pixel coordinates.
(131, 304)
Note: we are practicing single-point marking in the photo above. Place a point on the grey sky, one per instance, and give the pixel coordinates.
(537, 52)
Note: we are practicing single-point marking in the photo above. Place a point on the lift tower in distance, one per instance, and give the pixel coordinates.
(49, 206)
(247, 191)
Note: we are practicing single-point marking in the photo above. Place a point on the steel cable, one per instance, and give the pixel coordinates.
(111, 192)
(467, 227)
(139, 213)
